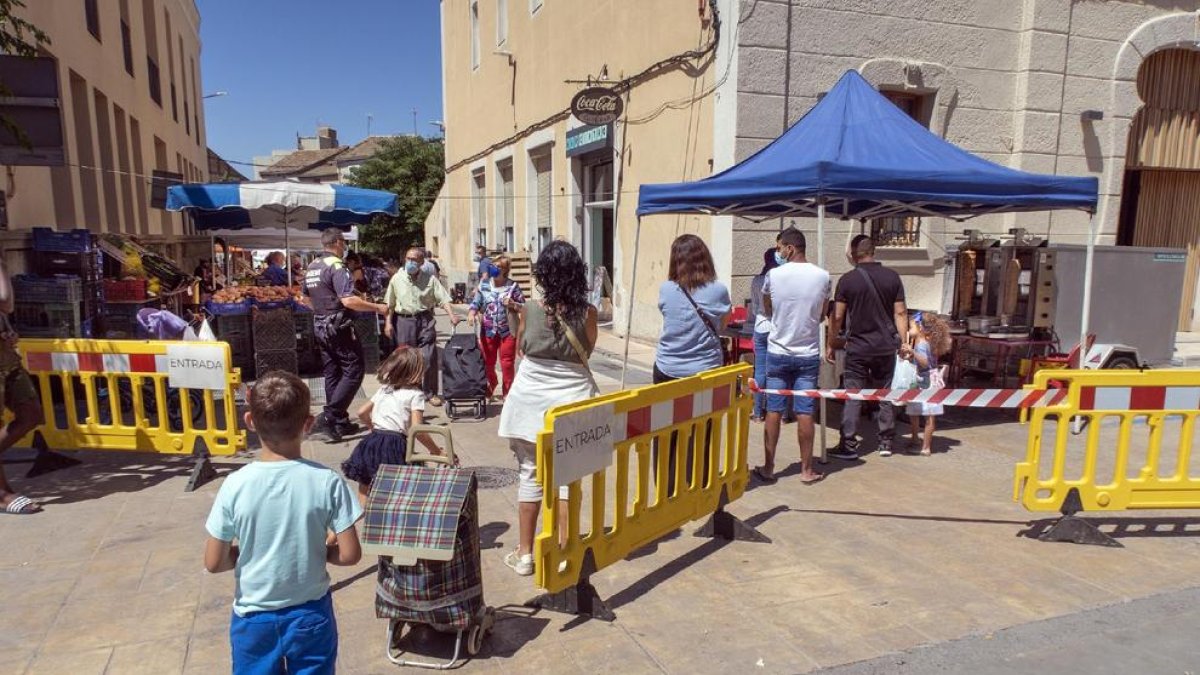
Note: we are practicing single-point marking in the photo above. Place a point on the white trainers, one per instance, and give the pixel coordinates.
(521, 564)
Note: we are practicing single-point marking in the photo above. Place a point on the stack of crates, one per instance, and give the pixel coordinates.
(366, 326)
(64, 297)
(308, 356)
(274, 340)
(236, 330)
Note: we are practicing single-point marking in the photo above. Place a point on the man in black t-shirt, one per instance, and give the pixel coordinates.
(869, 301)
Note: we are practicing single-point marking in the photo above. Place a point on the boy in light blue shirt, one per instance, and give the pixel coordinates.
(280, 511)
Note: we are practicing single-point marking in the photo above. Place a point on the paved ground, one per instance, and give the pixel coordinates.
(883, 557)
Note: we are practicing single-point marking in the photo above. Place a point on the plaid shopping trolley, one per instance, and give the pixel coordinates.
(423, 522)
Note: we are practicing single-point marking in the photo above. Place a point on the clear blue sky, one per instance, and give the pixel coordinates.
(289, 63)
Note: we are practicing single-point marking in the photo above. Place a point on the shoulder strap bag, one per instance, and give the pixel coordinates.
(884, 312)
(703, 319)
(580, 352)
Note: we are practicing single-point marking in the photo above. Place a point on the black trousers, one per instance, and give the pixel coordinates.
(342, 366)
(420, 331)
(868, 372)
(658, 378)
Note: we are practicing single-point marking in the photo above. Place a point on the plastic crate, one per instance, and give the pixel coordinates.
(71, 241)
(228, 308)
(47, 289)
(228, 325)
(275, 359)
(128, 289)
(120, 327)
(39, 318)
(84, 265)
(274, 329)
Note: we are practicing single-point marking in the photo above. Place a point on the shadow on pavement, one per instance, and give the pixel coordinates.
(666, 572)
(370, 571)
(489, 535)
(101, 474)
(910, 516)
(515, 627)
(1125, 526)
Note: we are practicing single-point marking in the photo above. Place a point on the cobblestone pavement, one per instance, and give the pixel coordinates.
(884, 556)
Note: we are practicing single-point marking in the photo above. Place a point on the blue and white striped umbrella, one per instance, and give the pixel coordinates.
(283, 204)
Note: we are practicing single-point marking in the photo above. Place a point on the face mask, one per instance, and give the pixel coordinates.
(779, 259)
(493, 271)
(476, 258)
(411, 266)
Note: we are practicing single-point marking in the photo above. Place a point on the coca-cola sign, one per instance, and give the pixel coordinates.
(597, 105)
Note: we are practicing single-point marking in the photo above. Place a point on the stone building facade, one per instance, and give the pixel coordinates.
(1050, 86)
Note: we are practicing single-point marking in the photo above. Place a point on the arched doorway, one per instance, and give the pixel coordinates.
(1160, 203)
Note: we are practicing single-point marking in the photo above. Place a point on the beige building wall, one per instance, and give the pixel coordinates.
(510, 108)
(1009, 81)
(116, 133)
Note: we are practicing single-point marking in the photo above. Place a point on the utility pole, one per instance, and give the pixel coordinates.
(414, 113)
(369, 117)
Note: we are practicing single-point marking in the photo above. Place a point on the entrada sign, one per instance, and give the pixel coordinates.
(597, 105)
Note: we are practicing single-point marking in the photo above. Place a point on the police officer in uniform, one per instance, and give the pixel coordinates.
(330, 289)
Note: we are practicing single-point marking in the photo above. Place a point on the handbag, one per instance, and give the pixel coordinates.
(725, 355)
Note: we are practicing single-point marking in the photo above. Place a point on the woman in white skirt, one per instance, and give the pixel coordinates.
(555, 338)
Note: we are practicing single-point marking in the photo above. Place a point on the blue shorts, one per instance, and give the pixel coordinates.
(794, 373)
(304, 637)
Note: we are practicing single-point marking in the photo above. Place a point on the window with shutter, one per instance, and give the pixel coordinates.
(542, 200)
(479, 207)
(505, 206)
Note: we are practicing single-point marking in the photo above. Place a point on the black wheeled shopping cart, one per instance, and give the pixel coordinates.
(423, 522)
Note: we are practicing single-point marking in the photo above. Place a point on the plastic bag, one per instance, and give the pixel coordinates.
(937, 378)
(905, 375)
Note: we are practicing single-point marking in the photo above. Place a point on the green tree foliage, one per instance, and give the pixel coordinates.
(20, 38)
(413, 168)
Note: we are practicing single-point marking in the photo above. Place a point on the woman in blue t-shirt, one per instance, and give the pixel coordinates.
(695, 308)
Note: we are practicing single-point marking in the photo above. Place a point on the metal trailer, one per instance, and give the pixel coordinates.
(1135, 302)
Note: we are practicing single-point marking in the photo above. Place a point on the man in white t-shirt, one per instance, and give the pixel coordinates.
(795, 296)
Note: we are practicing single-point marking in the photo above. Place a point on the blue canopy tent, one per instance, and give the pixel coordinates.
(856, 155)
(280, 205)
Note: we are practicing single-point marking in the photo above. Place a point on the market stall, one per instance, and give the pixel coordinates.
(270, 328)
(80, 284)
(855, 155)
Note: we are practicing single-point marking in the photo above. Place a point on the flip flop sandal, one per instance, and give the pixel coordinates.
(813, 481)
(21, 506)
(762, 475)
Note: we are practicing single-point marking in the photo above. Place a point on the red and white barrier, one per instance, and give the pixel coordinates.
(966, 398)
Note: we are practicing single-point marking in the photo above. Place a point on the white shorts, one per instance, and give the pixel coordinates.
(927, 409)
(528, 489)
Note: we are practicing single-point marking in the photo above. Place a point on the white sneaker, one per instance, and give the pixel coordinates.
(521, 564)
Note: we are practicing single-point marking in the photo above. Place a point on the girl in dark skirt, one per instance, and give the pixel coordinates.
(392, 411)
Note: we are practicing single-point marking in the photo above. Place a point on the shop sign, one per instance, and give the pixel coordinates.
(597, 105)
(587, 139)
(197, 366)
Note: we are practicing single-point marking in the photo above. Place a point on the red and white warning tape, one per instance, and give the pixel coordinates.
(969, 398)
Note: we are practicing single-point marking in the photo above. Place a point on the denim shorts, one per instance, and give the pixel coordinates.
(794, 373)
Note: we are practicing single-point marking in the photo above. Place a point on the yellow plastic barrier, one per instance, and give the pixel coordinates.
(116, 395)
(628, 512)
(1136, 429)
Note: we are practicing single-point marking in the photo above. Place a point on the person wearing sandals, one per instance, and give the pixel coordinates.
(398, 406)
(929, 336)
(555, 337)
(795, 295)
(18, 395)
(695, 308)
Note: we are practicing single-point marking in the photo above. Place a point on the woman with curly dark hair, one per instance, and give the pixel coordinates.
(555, 336)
